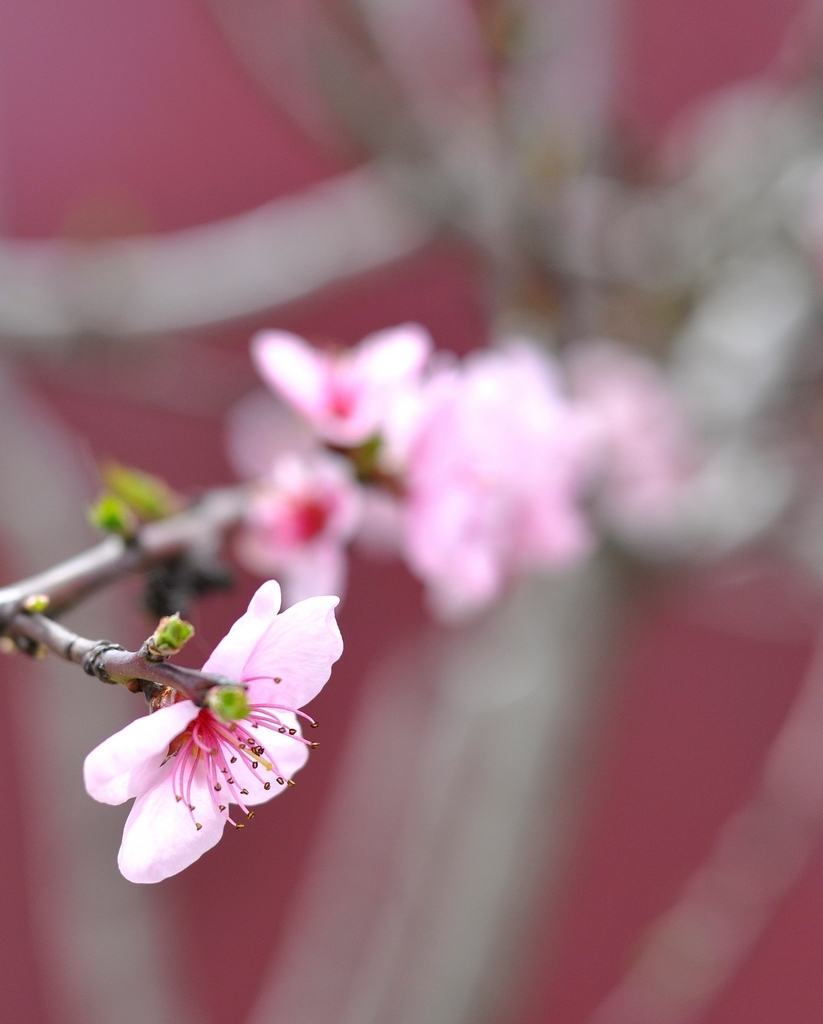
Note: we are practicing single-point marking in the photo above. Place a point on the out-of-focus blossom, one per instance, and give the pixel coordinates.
(474, 471)
(301, 519)
(493, 479)
(186, 765)
(344, 395)
(259, 429)
(643, 452)
(381, 522)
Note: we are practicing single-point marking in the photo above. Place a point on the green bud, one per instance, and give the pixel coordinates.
(147, 496)
(229, 703)
(366, 458)
(171, 634)
(112, 515)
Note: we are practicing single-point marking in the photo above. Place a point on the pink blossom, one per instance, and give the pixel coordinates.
(299, 523)
(185, 765)
(344, 395)
(493, 479)
(642, 448)
(259, 429)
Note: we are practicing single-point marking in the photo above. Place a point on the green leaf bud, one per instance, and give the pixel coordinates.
(171, 634)
(112, 515)
(147, 496)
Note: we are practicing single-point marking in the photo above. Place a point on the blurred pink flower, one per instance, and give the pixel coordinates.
(185, 765)
(643, 451)
(493, 479)
(299, 523)
(259, 429)
(344, 395)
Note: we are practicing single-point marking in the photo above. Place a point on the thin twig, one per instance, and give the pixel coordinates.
(110, 662)
(66, 583)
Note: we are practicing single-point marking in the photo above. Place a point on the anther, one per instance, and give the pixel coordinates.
(282, 729)
(244, 792)
(217, 786)
(222, 807)
(314, 725)
(277, 679)
(292, 732)
(197, 825)
(231, 762)
(254, 764)
(291, 782)
(242, 746)
(249, 815)
(191, 807)
(230, 781)
(281, 781)
(314, 746)
(178, 798)
(266, 785)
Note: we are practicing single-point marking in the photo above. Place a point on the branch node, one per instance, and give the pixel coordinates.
(93, 663)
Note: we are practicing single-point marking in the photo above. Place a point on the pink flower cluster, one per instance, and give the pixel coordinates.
(474, 471)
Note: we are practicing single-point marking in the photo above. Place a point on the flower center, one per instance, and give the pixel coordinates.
(308, 519)
(233, 756)
(342, 398)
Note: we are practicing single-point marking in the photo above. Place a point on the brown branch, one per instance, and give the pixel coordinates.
(58, 588)
(155, 543)
(139, 670)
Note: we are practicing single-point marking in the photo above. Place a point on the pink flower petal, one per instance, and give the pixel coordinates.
(393, 355)
(299, 648)
(161, 837)
(230, 655)
(260, 429)
(293, 368)
(128, 762)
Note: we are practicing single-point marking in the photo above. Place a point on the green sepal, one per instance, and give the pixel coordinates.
(229, 703)
(366, 458)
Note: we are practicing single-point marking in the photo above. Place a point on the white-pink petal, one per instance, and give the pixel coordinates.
(161, 835)
(230, 655)
(293, 369)
(392, 356)
(346, 396)
(299, 648)
(259, 429)
(129, 762)
(493, 478)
